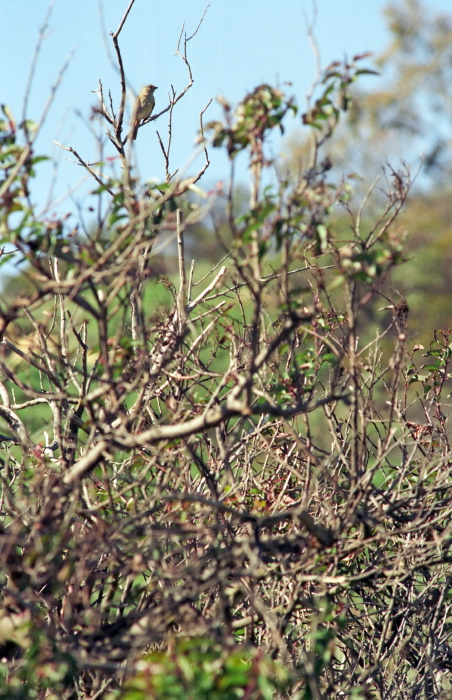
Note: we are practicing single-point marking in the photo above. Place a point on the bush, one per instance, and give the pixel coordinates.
(224, 490)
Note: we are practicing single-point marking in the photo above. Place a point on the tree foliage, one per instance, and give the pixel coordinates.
(222, 491)
(408, 112)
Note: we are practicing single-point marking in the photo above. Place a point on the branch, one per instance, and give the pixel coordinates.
(86, 463)
(86, 166)
(115, 37)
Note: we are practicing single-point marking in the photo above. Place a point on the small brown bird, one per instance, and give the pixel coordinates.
(142, 109)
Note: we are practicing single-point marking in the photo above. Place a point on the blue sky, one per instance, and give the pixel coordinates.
(240, 44)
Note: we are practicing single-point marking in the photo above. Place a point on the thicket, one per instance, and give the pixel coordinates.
(223, 490)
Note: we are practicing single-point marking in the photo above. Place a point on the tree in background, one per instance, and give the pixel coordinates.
(219, 490)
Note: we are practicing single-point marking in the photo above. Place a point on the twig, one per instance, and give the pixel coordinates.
(115, 37)
(86, 166)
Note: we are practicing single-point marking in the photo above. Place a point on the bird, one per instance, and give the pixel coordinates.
(142, 109)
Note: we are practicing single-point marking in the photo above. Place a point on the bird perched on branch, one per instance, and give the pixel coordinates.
(142, 109)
